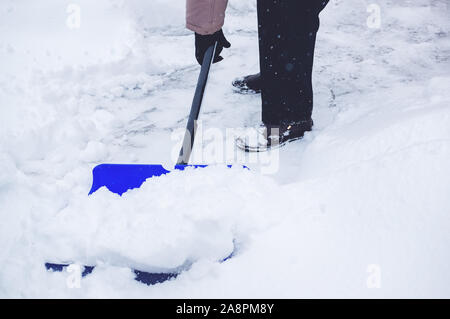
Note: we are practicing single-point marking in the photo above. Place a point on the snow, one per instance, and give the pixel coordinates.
(219, 206)
(363, 196)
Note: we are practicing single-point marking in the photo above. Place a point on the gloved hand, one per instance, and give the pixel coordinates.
(203, 42)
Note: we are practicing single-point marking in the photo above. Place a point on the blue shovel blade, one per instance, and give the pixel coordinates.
(119, 178)
(141, 276)
(144, 277)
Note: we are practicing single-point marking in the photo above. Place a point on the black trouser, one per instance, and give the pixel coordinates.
(287, 37)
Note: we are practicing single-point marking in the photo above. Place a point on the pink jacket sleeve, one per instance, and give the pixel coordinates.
(205, 16)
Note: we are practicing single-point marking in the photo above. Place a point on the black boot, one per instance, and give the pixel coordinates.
(248, 84)
(267, 137)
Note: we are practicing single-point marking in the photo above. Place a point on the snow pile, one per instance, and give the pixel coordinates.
(171, 221)
(361, 202)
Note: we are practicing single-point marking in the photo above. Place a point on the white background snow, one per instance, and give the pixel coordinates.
(359, 208)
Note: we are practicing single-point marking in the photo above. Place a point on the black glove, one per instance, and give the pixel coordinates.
(203, 42)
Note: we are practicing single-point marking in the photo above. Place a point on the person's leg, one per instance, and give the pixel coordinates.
(287, 35)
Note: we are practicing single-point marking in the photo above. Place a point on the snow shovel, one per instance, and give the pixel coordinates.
(119, 178)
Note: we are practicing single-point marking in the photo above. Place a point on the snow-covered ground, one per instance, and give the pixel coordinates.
(359, 208)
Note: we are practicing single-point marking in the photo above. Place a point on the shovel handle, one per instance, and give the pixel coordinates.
(191, 128)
